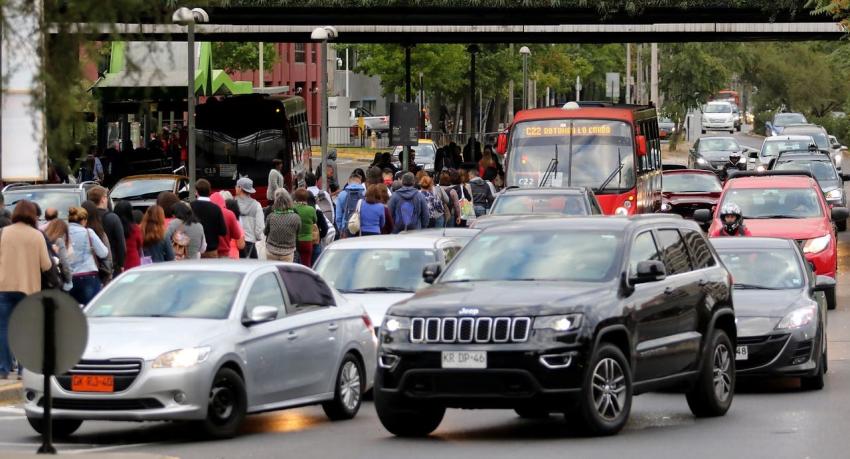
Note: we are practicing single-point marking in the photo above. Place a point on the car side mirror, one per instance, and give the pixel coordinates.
(649, 271)
(824, 284)
(431, 272)
(840, 213)
(260, 314)
(753, 154)
(702, 215)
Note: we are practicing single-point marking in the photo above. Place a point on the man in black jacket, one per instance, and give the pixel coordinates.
(112, 226)
(482, 194)
(210, 217)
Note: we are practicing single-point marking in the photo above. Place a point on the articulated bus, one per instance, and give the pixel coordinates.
(613, 149)
(239, 136)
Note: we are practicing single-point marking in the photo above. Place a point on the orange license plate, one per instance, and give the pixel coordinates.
(92, 383)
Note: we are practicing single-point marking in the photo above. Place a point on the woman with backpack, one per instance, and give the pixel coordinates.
(185, 233)
(437, 202)
(155, 247)
(87, 248)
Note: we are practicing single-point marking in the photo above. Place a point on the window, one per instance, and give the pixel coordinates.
(700, 252)
(306, 289)
(643, 249)
(313, 48)
(299, 53)
(675, 255)
(265, 292)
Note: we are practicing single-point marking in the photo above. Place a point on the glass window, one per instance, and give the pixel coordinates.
(784, 119)
(46, 199)
(774, 147)
(643, 249)
(313, 53)
(540, 204)
(306, 288)
(675, 254)
(189, 294)
(265, 292)
(822, 170)
(300, 53)
(364, 270)
(584, 256)
(141, 189)
(719, 145)
(700, 252)
(717, 108)
(775, 203)
(691, 183)
(747, 268)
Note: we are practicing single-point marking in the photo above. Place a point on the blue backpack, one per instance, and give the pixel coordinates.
(351, 199)
(408, 208)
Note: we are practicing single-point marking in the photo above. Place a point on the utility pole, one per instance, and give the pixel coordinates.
(653, 75)
(639, 83)
(262, 78)
(628, 73)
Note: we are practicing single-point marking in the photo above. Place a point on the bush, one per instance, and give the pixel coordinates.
(839, 127)
(760, 119)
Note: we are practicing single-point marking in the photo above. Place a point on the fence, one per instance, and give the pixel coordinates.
(351, 136)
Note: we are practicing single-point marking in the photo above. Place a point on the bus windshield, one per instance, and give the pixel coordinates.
(558, 153)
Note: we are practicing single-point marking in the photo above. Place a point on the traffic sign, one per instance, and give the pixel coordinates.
(27, 331)
(404, 124)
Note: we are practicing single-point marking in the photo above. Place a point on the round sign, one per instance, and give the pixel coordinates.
(26, 331)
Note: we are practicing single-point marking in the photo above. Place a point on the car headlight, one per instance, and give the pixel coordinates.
(182, 358)
(797, 318)
(665, 207)
(817, 244)
(702, 161)
(393, 324)
(563, 323)
(837, 159)
(834, 195)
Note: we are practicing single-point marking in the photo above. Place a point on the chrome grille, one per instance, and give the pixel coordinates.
(128, 367)
(470, 330)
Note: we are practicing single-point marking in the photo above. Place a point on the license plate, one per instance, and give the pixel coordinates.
(92, 383)
(742, 353)
(464, 359)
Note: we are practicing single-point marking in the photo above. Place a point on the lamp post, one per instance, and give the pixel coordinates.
(187, 17)
(323, 34)
(421, 106)
(525, 52)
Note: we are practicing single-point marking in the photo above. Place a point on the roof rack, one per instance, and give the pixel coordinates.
(771, 173)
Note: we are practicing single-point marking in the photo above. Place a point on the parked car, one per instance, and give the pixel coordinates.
(780, 316)
(562, 201)
(823, 170)
(718, 116)
(379, 271)
(575, 316)
(785, 204)
(57, 196)
(772, 146)
(712, 153)
(780, 121)
(141, 190)
(210, 341)
(425, 155)
(685, 191)
(821, 138)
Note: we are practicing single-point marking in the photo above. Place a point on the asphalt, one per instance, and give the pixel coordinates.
(769, 419)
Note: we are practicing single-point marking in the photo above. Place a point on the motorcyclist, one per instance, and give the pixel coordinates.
(732, 221)
(734, 164)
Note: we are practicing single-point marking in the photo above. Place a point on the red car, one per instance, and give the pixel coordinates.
(684, 191)
(787, 205)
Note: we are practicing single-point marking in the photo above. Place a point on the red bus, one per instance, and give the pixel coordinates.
(613, 149)
(728, 95)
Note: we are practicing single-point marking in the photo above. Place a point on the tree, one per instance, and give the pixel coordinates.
(243, 56)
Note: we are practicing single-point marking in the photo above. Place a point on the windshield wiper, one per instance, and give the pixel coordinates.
(551, 169)
(614, 173)
(766, 217)
(379, 289)
(755, 287)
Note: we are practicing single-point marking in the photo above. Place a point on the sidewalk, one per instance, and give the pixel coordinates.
(11, 391)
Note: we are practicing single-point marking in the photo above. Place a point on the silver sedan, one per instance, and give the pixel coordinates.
(211, 341)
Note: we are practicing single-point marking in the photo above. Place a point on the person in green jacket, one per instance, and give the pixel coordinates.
(308, 223)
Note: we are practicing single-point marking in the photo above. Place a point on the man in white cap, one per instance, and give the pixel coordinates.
(252, 220)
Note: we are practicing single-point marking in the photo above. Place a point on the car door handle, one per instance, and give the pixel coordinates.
(333, 327)
(669, 290)
(292, 336)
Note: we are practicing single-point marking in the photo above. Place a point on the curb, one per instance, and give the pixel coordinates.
(11, 393)
(366, 156)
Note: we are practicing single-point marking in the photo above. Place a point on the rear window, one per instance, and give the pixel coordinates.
(674, 252)
(46, 199)
(541, 204)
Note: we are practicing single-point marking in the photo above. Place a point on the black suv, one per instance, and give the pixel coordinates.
(574, 316)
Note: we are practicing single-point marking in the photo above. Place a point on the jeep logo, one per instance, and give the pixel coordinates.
(468, 312)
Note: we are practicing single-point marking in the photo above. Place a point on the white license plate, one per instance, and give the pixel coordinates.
(464, 359)
(742, 353)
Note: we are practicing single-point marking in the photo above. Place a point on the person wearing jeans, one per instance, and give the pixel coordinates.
(305, 233)
(87, 246)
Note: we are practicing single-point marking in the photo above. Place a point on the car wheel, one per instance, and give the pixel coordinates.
(62, 428)
(841, 225)
(348, 394)
(815, 382)
(714, 389)
(831, 299)
(228, 404)
(531, 413)
(606, 397)
(408, 420)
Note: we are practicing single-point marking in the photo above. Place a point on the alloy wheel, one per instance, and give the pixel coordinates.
(349, 385)
(609, 389)
(722, 374)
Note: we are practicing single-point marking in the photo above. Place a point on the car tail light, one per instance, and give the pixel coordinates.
(367, 321)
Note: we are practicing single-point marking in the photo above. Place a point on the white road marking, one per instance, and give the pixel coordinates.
(109, 448)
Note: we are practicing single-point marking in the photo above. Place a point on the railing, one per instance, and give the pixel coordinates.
(352, 136)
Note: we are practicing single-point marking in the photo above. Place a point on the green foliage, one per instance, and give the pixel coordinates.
(243, 56)
(837, 126)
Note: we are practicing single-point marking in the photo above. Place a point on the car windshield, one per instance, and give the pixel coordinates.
(46, 199)
(141, 189)
(179, 293)
(559, 153)
(370, 270)
(425, 152)
(786, 119)
(540, 204)
(775, 202)
(691, 183)
(718, 145)
(774, 147)
(821, 139)
(586, 256)
(718, 108)
(747, 268)
(822, 170)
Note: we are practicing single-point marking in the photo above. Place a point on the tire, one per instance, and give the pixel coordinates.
(228, 404)
(816, 382)
(62, 428)
(407, 421)
(712, 394)
(531, 413)
(607, 385)
(831, 299)
(348, 395)
(841, 225)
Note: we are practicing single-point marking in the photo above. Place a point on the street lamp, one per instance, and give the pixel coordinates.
(525, 52)
(185, 16)
(323, 34)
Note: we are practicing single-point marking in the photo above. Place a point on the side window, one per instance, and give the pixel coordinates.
(675, 254)
(643, 249)
(700, 252)
(265, 292)
(307, 291)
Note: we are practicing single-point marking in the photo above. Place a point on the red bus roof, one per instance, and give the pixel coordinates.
(621, 113)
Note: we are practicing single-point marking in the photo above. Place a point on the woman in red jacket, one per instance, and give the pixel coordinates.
(132, 235)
